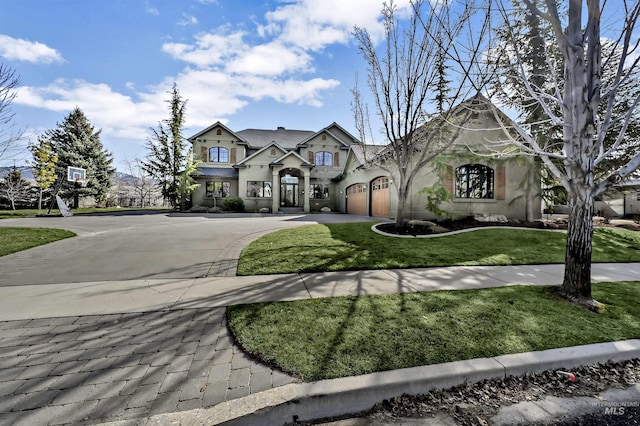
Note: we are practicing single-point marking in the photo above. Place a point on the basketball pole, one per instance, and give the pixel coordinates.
(53, 196)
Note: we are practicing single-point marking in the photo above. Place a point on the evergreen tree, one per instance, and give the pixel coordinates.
(77, 144)
(43, 166)
(166, 158)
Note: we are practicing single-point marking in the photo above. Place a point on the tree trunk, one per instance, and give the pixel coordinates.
(577, 271)
(531, 192)
(40, 199)
(402, 202)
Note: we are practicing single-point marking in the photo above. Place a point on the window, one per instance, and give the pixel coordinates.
(218, 154)
(474, 181)
(319, 191)
(217, 189)
(324, 158)
(259, 189)
(380, 183)
(356, 188)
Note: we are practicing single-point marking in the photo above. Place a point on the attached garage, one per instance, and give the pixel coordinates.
(357, 199)
(380, 197)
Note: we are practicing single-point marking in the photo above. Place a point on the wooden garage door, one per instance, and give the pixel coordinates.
(357, 199)
(380, 197)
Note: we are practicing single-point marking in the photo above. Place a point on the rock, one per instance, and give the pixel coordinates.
(264, 210)
(215, 209)
(325, 210)
(421, 223)
(499, 218)
(198, 209)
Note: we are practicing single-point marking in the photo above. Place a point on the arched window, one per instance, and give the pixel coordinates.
(474, 181)
(218, 154)
(324, 158)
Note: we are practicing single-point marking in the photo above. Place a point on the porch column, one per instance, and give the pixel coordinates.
(307, 207)
(275, 191)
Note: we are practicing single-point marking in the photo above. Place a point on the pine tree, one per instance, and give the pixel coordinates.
(77, 144)
(43, 166)
(166, 157)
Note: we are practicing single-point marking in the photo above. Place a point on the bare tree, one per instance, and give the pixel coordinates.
(9, 135)
(143, 184)
(594, 118)
(420, 61)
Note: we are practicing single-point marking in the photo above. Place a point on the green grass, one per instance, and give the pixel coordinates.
(7, 214)
(13, 240)
(344, 336)
(353, 246)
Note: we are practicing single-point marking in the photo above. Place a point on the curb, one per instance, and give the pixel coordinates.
(352, 395)
(460, 231)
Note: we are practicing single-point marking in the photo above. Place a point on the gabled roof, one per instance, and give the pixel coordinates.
(213, 126)
(279, 161)
(260, 151)
(288, 139)
(345, 145)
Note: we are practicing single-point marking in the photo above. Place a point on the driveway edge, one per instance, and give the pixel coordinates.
(352, 395)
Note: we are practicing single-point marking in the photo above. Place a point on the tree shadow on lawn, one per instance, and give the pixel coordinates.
(359, 335)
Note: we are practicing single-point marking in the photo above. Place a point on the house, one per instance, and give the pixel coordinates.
(286, 170)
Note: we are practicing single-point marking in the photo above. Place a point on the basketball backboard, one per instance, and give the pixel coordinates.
(76, 174)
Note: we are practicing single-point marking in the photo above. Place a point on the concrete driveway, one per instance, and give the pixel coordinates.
(128, 246)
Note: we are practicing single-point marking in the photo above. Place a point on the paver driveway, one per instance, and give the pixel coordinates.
(70, 369)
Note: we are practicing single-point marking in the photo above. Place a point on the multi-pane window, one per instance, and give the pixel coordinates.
(217, 189)
(259, 189)
(218, 154)
(474, 181)
(324, 158)
(380, 183)
(356, 189)
(318, 191)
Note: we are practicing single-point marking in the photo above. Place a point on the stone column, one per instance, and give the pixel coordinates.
(307, 207)
(275, 191)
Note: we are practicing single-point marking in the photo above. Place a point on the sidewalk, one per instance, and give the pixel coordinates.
(157, 351)
(117, 297)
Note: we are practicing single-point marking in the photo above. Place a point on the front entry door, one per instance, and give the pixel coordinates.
(289, 195)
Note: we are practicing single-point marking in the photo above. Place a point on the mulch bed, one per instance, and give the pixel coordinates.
(445, 226)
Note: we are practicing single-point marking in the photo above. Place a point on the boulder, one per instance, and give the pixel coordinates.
(264, 210)
(198, 209)
(215, 209)
(325, 210)
(500, 218)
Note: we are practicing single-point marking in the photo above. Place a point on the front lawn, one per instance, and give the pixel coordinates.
(345, 336)
(9, 214)
(13, 240)
(353, 246)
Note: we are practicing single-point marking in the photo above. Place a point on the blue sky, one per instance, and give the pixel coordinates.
(249, 64)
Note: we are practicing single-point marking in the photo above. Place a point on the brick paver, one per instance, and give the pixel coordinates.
(118, 367)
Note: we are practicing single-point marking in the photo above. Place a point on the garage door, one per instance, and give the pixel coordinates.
(380, 197)
(357, 199)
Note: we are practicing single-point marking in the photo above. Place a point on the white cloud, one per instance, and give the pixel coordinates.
(17, 49)
(117, 114)
(270, 59)
(152, 11)
(187, 20)
(209, 48)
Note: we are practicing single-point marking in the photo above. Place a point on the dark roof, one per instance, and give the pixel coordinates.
(287, 139)
(216, 172)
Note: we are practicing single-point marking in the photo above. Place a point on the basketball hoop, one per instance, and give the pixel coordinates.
(82, 182)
